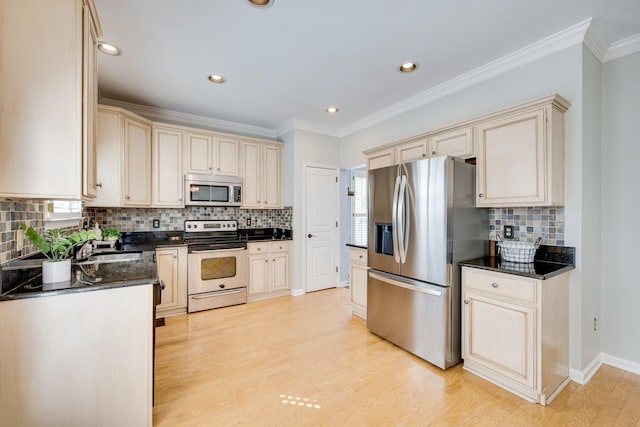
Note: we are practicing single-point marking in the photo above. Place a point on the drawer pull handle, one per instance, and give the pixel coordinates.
(466, 301)
(494, 284)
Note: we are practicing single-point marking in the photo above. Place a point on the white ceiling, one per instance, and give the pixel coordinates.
(294, 59)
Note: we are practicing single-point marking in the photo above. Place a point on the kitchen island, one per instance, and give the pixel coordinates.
(79, 353)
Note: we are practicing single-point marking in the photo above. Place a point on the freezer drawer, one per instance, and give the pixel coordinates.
(413, 315)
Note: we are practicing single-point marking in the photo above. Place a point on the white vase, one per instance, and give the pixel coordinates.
(56, 271)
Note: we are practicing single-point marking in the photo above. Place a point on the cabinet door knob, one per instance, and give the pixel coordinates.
(266, 260)
(466, 301)
(209, 167)
(99, 185)
(218, 169)
(127, 197)
(259, 249)
(175, 256)
(480, 195)
(180, 199)
(494, 285)
(360, 256)
(433, 152)
(162, 285)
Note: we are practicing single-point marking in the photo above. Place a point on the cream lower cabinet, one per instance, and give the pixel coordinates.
(167, 176)
(520, 158)
(172, 273)
(268, 269)
(261, 175)
(124, 159)
(358, 272)
(515, 331)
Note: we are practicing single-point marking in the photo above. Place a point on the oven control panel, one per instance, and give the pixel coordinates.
(194, 226)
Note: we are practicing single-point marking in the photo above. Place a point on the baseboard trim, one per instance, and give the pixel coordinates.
(583, 377)
(297, 292)
(620, 363)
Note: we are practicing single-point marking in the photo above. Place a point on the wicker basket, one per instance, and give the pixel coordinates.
(521, 252)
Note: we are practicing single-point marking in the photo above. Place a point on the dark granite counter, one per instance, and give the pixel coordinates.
(353, 245)
(27, 282)
(537, 269)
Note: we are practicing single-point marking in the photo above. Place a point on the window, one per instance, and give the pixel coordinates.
(359, 203)
(62, 213)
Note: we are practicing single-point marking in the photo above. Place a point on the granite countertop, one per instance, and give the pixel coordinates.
(27, 283)
(536, 270)
(353, 245)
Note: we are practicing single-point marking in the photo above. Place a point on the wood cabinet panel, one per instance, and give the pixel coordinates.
(380, 158)
(199, 153)
(456, 143)
(137, 163)
(172, 273)
(358, 273)
(272, 176)
(47, 99)
(168, 179)
(227, 157)
(412, 150)
(268, 269)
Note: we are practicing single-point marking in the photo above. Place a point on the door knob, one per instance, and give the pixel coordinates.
(309, 235)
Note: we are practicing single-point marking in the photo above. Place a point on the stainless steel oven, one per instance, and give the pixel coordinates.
(218, 265)
(207, 190)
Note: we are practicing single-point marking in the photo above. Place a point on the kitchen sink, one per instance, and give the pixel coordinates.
(104, 258)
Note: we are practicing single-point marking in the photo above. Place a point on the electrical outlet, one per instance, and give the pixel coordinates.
(156, 223)
(507, 231)
(248, 221)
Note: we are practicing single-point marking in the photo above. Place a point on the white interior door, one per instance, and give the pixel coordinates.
(321, 191)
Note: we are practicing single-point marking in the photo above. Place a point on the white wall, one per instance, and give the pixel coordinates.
(620, 207)
(590, 241)
(308, 148)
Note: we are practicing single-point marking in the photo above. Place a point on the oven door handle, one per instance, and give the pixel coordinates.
(217, 293)
(201, 251)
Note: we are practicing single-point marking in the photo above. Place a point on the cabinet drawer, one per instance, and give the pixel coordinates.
(500, 284)
(278, 247)
(258, 248)
(358, 256)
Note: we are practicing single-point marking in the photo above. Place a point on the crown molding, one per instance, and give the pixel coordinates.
(597, 44)
(622, 48)
(175, 117)
(554, 43)
(298, 124)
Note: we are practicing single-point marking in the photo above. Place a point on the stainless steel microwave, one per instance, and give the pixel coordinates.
(207, 190)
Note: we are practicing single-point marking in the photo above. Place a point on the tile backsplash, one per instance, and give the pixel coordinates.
(141, 219)
(530, 223)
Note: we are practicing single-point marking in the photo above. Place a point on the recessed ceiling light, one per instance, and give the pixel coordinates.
(261, 3)
(109, 49)
(408, 67)
(215, 78)
(332, 110)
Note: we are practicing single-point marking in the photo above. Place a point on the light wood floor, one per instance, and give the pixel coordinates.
(306, 361)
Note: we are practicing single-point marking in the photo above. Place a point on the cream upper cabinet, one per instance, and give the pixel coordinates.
(520, 158)
(455, 143)
(380, 158)
(515, 331)
(167, 180)
(227, 152)
(271, 176)
(199, 153)
(137, 162)
(358, 273)
(124, 159)
(172, 273)
(412, 150)
(48, 96)
(268, 269)
(261, 175)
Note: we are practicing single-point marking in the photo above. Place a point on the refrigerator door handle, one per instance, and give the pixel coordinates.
(404, 284)
(400, 218)
(405, 218)
(394, 220)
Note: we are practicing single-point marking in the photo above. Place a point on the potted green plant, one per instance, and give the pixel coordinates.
(110, 234)
(56, 246)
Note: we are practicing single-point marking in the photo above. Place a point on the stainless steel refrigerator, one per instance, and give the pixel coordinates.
(422, 222)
